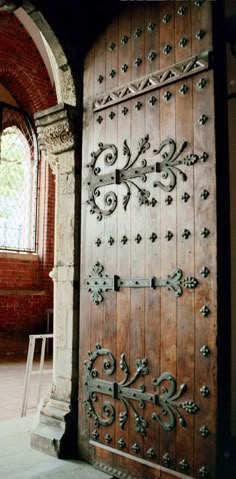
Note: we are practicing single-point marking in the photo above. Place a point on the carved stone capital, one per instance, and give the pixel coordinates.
(55, 127)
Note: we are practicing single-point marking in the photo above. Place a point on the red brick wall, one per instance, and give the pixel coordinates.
(26, 290)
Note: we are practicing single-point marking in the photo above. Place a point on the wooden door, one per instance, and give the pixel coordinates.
(148, 265)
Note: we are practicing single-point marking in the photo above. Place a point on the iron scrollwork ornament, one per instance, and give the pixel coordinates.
(98, 283)
(168, 401)
(167, 167)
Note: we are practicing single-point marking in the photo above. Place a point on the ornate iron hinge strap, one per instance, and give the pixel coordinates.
(168, 402)
(98, 283)
(168, 167)
(153, 81)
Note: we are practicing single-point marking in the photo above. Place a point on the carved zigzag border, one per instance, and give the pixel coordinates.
(153, 81)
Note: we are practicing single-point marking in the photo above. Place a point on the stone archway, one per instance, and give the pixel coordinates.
(55, 128)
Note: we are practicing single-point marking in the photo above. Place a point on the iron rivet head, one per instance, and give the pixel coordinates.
(167, 49)
(205, 311)
(167, 459)
(153, 237)
(137, 33)
(108, 438)
(183, 89)
(95, 434)
(204, 156)
(168, 200)
(167, 95)
(138, 105)
(201, 83)
(186, 233)
(112, 115)
(111, 241)
(151, 453)
(100, 79)
(205, 351)
(125, 110)
(205, 391)
(124, 239)
(151, 26)
(204, 431)
(124, 40)
(135, 447)
(185, 197)
(112, 46)
(184, 465)
(98, 242)
(205, 232)
(200, 34)
(138, 62)
(153, 202)
(152, 100)
(99, 119)
(151, 56)
(182, 9)
(138, 238)
(203, 472)
(112, 73)
(166, 18)
(205, 271)
(199, 3)
(183, 42)
(169, 235)
(204, 194)
(124, 68)
(203, 119)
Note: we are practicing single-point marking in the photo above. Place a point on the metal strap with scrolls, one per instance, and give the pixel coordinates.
(98, 283)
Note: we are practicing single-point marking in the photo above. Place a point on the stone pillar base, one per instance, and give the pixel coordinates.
(55, 433)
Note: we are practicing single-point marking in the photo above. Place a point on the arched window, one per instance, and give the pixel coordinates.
(18, 180)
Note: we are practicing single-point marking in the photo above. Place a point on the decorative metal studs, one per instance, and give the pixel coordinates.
(205, 351)
(184, 465)
(138, 62)
(201, 83)
(124, 40)
(203, 471)
(186, 233)
(203, 119)
(153, 237)
(152, 55)
(152, 100)
(112, 46)
(112, 115)
(205, 271)
(183, 89)
(99, 119)
(121, 443)
(112, 73)
(125, 110)
(135, 447)
(111, 241)
(205, 391)
(204, 194)
(169, 235)
(167, 49)
(108, 438)
(203, 157)
(167, 95)
(200, 34)
(151, 453)
(204, 431)
(95, 434)
(98, 242)
(166, 18)
(183, 42)
(153, 202)
(124, 67)
(168, 200)
(205, 311)
(100, 79)
(167, 459)
(137, 33)
(124, 239)
(199, 3)
(182, 9)
(151, 26)
(205, 232)
(138, 105)
(138, 238)
(185, 197)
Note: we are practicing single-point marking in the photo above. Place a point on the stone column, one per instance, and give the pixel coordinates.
(56, 430)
